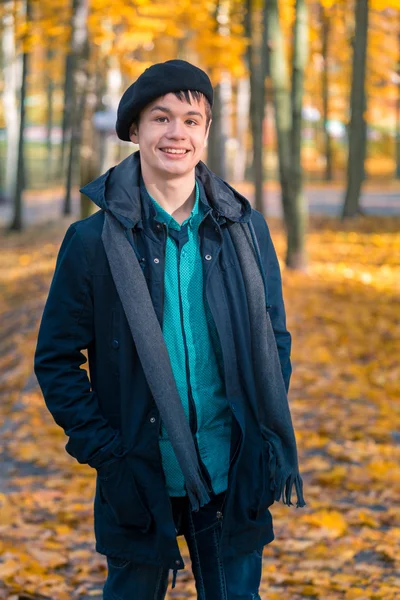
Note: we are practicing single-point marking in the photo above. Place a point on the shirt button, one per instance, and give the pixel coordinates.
(152, 419)
(233, 406)
(158, 226)
(156, 260)
(208, 257)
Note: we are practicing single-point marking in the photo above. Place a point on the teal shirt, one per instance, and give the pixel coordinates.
(187, 318)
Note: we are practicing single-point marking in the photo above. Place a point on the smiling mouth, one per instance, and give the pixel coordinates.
(179, 152)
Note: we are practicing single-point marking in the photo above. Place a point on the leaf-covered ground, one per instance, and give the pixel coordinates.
(344, 315)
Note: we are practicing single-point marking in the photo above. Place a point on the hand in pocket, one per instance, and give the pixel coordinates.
(120, 493)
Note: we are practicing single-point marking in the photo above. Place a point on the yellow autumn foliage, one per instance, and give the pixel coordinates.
(344, 400)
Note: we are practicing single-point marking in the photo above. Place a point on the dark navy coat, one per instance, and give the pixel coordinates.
(112, 420)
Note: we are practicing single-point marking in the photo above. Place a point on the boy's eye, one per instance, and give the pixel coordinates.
(188, 120)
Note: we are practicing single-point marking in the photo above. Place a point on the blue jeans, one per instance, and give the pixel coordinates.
(216, 578)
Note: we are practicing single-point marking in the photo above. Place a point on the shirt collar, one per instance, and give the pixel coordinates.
(164, 217)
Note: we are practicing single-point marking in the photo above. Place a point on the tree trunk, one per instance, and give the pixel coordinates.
(79, 67)
(68, 93)
(398, 105)
(326, 29)
(256, 66)
(242, 125)
(66, 119)
(216, 158)
(12, 78)
(296, 253)
(288, 121)
(113, 94)
(281, 102)
(357, 128)
(93, 141)
(89, 150)
(16, 223)
(216, 141)
(49, 125)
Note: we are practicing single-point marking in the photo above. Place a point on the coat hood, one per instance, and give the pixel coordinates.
(118, 191)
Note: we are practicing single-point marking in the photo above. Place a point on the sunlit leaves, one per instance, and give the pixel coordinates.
(345, 322)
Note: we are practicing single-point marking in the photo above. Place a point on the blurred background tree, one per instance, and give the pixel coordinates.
(358, 107)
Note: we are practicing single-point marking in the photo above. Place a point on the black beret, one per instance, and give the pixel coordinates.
(156, 81)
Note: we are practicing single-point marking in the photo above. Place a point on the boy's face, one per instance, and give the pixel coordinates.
(165, 124)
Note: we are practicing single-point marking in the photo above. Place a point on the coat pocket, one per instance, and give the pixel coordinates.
(119, 492)
(267, 495)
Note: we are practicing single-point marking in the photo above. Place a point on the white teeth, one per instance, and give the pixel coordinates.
(173, 151)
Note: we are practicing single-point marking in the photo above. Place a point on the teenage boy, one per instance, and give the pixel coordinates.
(174, 288)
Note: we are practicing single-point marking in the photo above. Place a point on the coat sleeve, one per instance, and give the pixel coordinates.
(275, 296)
(65, 330)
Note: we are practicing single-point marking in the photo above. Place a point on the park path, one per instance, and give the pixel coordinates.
(46, 205)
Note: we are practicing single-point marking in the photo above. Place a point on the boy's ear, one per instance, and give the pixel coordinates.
(133, 133)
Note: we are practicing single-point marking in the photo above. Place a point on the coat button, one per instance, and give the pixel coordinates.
(208, 257)
(152, 419)
(158, 226)
(156, 260)
(115, 344)
(233, 406)
(177, 562)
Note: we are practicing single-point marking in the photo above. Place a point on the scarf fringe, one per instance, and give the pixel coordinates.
(198, 496)
(281, 483)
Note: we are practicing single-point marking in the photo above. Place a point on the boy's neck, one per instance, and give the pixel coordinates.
(175, 196)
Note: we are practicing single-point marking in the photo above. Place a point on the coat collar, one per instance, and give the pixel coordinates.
(118, 191)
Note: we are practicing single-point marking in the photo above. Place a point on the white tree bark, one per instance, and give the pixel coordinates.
(12, 84)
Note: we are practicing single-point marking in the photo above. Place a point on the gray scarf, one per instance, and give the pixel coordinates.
(153, 354)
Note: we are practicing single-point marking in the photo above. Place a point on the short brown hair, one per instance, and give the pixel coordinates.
(187, 95)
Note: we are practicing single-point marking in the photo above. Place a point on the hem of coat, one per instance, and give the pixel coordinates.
(157, 561)
(230, 549)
